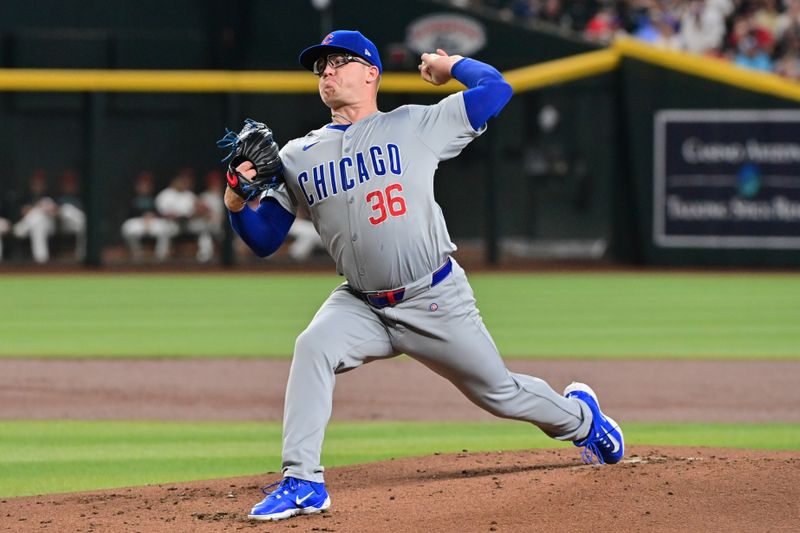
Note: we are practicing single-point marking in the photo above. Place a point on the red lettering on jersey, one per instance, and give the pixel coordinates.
(386, 203)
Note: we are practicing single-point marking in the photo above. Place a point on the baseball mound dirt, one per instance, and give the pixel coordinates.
(654, 489)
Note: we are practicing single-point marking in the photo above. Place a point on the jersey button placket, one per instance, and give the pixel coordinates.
(352, 213)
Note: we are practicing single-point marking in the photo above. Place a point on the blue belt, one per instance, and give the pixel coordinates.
(382, 299)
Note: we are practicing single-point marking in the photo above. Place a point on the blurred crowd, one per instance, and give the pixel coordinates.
(40, 222)
(176, 210)
(37, 216)
(758, 34)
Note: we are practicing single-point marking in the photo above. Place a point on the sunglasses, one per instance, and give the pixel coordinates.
(337, 60)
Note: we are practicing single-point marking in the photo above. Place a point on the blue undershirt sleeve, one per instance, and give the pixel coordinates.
(487, 92)
(263, 229)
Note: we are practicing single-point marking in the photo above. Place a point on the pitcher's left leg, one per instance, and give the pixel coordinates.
(450, 338)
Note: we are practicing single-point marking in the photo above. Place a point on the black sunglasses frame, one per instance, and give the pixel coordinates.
(349, 58)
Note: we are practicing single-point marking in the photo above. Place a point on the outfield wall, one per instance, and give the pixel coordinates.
(96, 104)
(575, 157)
(681, 199)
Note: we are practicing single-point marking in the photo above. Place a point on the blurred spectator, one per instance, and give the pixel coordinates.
(726, 7)
(306, 238)
(646, 28)
(143, 220)
(211, 197)
(750, 54)
(37, 221)
(724, 28)
(179, 205)
(788, 53)
(463, 3)
(523, 9)
(766, 16)
(553, 12)
(702, 28)
(71, 218)
(5, 227)
(666, 32)
(788, 20)
(603, 26)
(580, 13)
(210, 214)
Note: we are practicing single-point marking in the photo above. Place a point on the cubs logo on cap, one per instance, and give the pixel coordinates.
(348, 41)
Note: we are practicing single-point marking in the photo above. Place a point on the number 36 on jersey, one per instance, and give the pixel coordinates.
(386, 203)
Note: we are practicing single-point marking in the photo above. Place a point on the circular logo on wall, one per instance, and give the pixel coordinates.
(453, 33)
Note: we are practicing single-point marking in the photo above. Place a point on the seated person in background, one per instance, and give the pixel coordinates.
(176, 204)
(211, 215)
(5, 227)
(144, 221)
(179, 205)
(71, 218)
(305, 236)
(37, 221)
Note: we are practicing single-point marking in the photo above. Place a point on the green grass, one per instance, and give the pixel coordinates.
(530, 315)
(38, 457)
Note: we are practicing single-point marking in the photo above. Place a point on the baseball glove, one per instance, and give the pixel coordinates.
(255, 144)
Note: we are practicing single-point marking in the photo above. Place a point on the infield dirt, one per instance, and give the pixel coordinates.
(654, 489)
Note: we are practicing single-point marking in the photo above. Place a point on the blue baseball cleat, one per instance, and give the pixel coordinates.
(605, 441)
(292, 497)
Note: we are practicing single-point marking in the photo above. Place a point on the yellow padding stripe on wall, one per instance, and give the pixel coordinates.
(562, 70)
(200, 81)
(191, 81)
(71, 80)
(710, 69)
(292, 82)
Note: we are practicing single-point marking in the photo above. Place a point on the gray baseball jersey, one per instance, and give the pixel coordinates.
(369, 190)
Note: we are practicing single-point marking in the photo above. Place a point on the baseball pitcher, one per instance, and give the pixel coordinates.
(366, 179)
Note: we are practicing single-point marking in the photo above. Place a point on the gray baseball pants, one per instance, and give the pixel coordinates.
(448, 337)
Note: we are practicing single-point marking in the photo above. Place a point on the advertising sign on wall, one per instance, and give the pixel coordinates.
(458, 34)
(727, 179)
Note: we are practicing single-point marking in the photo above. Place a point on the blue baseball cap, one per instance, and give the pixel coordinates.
(342, 41)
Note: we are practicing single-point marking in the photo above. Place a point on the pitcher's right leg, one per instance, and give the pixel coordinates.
(343, 335)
